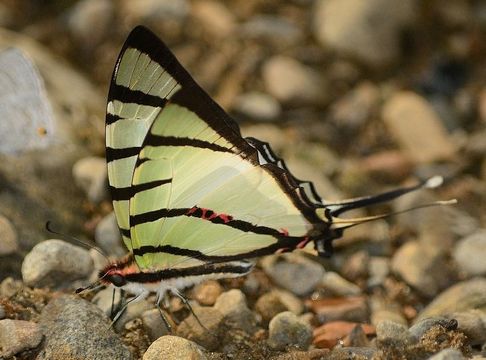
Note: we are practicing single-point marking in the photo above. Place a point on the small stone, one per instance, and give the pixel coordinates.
(448, 354)
(389, 165)
(90, 174)
(462, 296)
(329, 334)
(3, 313)
(473, 324)
(232, 305)
(356, 266)
(107, 236)
(55, 263)
(379, 269)
(17, 336)
(421, 327)
(215, 17)
(208, 336)
(258, 106)
(293, 272)
(389, 332)
(8, 237)
(76, 329)
(470, 253)
(286, 330)
(338, 285)
(290, 81)
(420, 266)
(154, 325)
(417, 128)
(268, 305)
(89, 20)
(274, 29)
(369, 30)
(207, 293)
(171, 347)
(142, 11)
(346, 308)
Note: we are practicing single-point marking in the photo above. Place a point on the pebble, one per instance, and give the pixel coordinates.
(329, 334)
(470, 253)
(462, 296)
(421, 267)
(171, 347)
(258, 106)
(269, 304)
(338, 285)
(421, 327)
(107, 236)
(207, 292)
(276, 30)
(90, 174)
(76, 329)
(389, 165)
(293, 272)
(3, 313)
(448, 354)
(389, 333)
(17, 336)
(154, 325)
(365, 353)
(8, 237)
(378, 269)
(208, 336)
(385, 310)
(155, 10)
(55, 263)
(356, 266)
(289, 81)
(232, 305)
(287, 330)
(347, 308)
(369, 30)
(473, 324)
(215, 17)
(353, 110)
(89, 20)
(418, 129)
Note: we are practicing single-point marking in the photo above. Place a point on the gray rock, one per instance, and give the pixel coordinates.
(290, 81)
(385, 311)
(3, 313)
(421, 327)
(368, 30)
(8, 237)
(448, 354)
(462, 296)
(107, 236)
(389, 332)
(473, 324)
(208, 336)
(420, 266)
(268, 305)
(17, 336)
(170, 347)
(89, 20)
(154, 325)
(232, 305)
(293, 272)
(470, 253)
(90, 174)
(287, 330)
(378, 269)
(418, 129)
(76, 329)
(338, 285)
(273, 29)
(258, 106)
(55, 263)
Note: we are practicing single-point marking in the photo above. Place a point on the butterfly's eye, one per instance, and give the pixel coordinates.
(117, 280)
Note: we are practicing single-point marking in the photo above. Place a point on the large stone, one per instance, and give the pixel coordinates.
(470, 254)
(17, 336)
(170, 347)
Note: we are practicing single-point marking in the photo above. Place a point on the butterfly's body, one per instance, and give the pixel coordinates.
(192, 197)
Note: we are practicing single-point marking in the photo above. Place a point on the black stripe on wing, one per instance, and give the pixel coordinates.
(127, 95)
(126, 193)
(157, 140)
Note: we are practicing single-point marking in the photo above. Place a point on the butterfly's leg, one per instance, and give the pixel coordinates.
(186, 303)
(161, 297)
(142, 295)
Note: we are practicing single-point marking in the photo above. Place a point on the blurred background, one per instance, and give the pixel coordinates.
(357, 96)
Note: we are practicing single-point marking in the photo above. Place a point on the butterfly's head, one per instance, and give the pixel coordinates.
(112, 275)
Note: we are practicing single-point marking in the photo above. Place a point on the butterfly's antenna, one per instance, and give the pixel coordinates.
(70, 237)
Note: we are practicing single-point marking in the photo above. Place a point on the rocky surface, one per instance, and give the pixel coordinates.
(358, 96)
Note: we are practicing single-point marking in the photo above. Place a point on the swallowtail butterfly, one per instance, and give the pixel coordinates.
(193, 198)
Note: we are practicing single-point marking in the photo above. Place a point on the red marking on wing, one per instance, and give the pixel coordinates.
(208, 214)
(284, 232)
(282, 250)
(303, 243)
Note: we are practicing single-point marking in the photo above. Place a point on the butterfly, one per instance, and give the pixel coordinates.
(194, 199)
